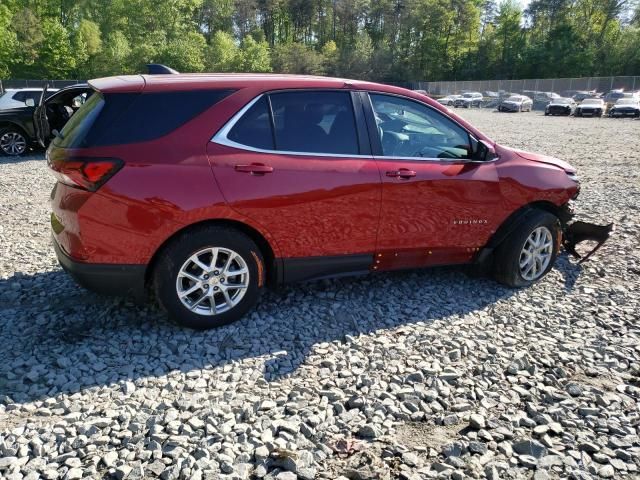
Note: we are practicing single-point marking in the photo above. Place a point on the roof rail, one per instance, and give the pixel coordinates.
(159, 69)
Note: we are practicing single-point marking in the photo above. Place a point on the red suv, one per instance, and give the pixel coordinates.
(207, 188)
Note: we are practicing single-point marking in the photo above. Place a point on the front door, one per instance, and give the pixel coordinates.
(295, 163)
(438, 205)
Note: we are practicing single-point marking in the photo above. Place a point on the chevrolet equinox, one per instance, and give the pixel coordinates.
(207, 188)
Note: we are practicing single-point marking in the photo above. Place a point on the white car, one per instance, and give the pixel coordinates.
(17, 97)
(448, 100)
(591, 107)
(468, 100)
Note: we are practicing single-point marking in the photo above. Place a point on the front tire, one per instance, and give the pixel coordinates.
(12, 142)
(209, 277)
(528, 254)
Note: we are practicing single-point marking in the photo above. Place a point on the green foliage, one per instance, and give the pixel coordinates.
(387, 40)
(254, 56)
(222, 53)
(8, 42)
(297, 58)
(56, 57)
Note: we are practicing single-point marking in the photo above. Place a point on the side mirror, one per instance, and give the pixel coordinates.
(30, 102)
(483, 151)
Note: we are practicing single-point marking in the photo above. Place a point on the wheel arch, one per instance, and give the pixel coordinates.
(6, 124)
(512, 222)
(261, 241)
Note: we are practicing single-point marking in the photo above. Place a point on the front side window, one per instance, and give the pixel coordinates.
(411, 129)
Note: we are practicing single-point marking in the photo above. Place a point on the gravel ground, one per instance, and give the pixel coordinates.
(407, 375)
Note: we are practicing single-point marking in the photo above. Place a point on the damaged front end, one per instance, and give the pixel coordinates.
(576, 232)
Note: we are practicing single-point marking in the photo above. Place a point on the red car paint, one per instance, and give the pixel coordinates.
(307, 206)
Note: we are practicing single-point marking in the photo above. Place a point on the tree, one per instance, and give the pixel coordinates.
(254, 56)
(297, 58)
(8, 43)
(56, 58)
(185, 53)
(222, 53)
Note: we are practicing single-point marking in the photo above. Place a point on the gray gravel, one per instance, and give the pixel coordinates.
(407, 375)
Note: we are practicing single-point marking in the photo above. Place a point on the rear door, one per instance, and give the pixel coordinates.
(439, 206)
(298, 163)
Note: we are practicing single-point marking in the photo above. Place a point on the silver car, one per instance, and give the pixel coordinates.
(516, 103)
(468, 100)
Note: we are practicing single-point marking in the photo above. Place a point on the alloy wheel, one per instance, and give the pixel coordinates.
(212, 281)
(13, 143)
(536, 254)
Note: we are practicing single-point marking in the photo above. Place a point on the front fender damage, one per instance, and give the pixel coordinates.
(576, 232)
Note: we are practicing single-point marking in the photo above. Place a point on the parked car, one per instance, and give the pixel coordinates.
(625, 107)
(561, 106)
(207, 188)
(18, 97)
(17, 125)
(590, 107)
(469, 100)
(613, 96)
(516, 103)
(448, 100)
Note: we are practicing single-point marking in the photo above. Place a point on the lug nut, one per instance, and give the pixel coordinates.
(206, 277)
(215, 289)
(216, 272)
(222, 280)
(205, 286)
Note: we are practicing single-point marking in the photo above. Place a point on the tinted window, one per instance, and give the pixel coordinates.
(75, 131)
(411, 129)
(136, 117)
(254, 128)
(20, 97)
(314, 122)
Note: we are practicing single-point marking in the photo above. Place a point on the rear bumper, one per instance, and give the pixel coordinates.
(108, 279)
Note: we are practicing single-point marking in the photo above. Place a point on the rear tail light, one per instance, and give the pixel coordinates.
(85, 172)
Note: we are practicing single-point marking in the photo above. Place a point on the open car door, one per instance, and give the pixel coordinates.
(40, 120)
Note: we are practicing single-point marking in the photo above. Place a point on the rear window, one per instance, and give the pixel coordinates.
(121, 118)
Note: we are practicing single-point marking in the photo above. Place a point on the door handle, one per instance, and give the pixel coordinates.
(402, 173)
(254, 168)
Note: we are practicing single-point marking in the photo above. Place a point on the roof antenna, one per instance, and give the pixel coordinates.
(159, 69)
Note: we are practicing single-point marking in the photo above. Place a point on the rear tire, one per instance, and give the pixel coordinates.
(528, 254)
(200, 292)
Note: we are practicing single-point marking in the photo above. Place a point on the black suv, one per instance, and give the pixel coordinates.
(24, 127)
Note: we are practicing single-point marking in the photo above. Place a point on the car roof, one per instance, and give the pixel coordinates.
(196, 81)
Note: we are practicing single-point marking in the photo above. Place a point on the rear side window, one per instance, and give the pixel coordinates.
(303, 122)
(121, 118)
(254, 127)
(314, 122)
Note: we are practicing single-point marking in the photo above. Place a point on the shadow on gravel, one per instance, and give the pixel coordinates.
(28, 157)
(58, 338)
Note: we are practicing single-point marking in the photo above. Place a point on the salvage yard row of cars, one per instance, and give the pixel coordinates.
(616, 103)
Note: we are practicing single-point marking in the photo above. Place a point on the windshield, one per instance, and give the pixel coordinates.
(592, 101)
(514, 98)
(626, 101)
(562, 100)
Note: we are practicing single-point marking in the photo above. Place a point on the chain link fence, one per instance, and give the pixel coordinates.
(562, 86)
(6, 84)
